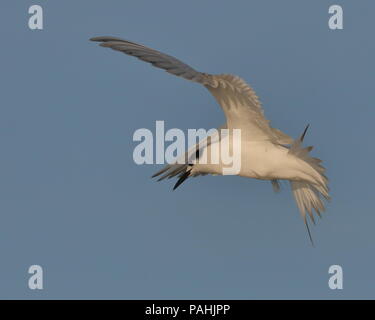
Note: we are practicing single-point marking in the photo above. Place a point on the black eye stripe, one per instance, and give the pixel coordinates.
(197, 154)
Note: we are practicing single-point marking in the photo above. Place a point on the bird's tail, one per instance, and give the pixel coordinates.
(309, 194)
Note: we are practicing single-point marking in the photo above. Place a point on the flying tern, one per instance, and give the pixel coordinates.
(266, 152)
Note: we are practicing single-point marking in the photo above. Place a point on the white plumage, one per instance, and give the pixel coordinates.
(267, 153)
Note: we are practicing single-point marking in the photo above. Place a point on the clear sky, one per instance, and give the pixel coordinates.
(73, 201)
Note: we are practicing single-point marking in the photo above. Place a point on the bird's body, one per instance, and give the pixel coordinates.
(259, 159)
(266, 153)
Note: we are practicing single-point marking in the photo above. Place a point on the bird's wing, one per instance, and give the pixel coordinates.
(237, 99)
(243, 109)
(156, 58)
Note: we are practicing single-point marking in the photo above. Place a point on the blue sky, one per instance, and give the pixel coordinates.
(73, 201)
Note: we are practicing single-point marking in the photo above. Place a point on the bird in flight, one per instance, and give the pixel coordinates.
(266, 152)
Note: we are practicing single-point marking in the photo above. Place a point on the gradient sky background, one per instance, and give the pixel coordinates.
(73, 201)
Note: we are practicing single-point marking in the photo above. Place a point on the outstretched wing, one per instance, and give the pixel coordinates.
(156, 58)
(238, 101)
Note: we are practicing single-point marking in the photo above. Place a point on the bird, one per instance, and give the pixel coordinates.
(267, 153)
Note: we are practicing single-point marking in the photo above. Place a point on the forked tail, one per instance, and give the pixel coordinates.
(309, 196)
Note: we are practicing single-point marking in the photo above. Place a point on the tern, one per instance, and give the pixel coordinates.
(267, 153)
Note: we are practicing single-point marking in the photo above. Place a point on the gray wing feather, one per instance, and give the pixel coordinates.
(228, 90)
(156, 58)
